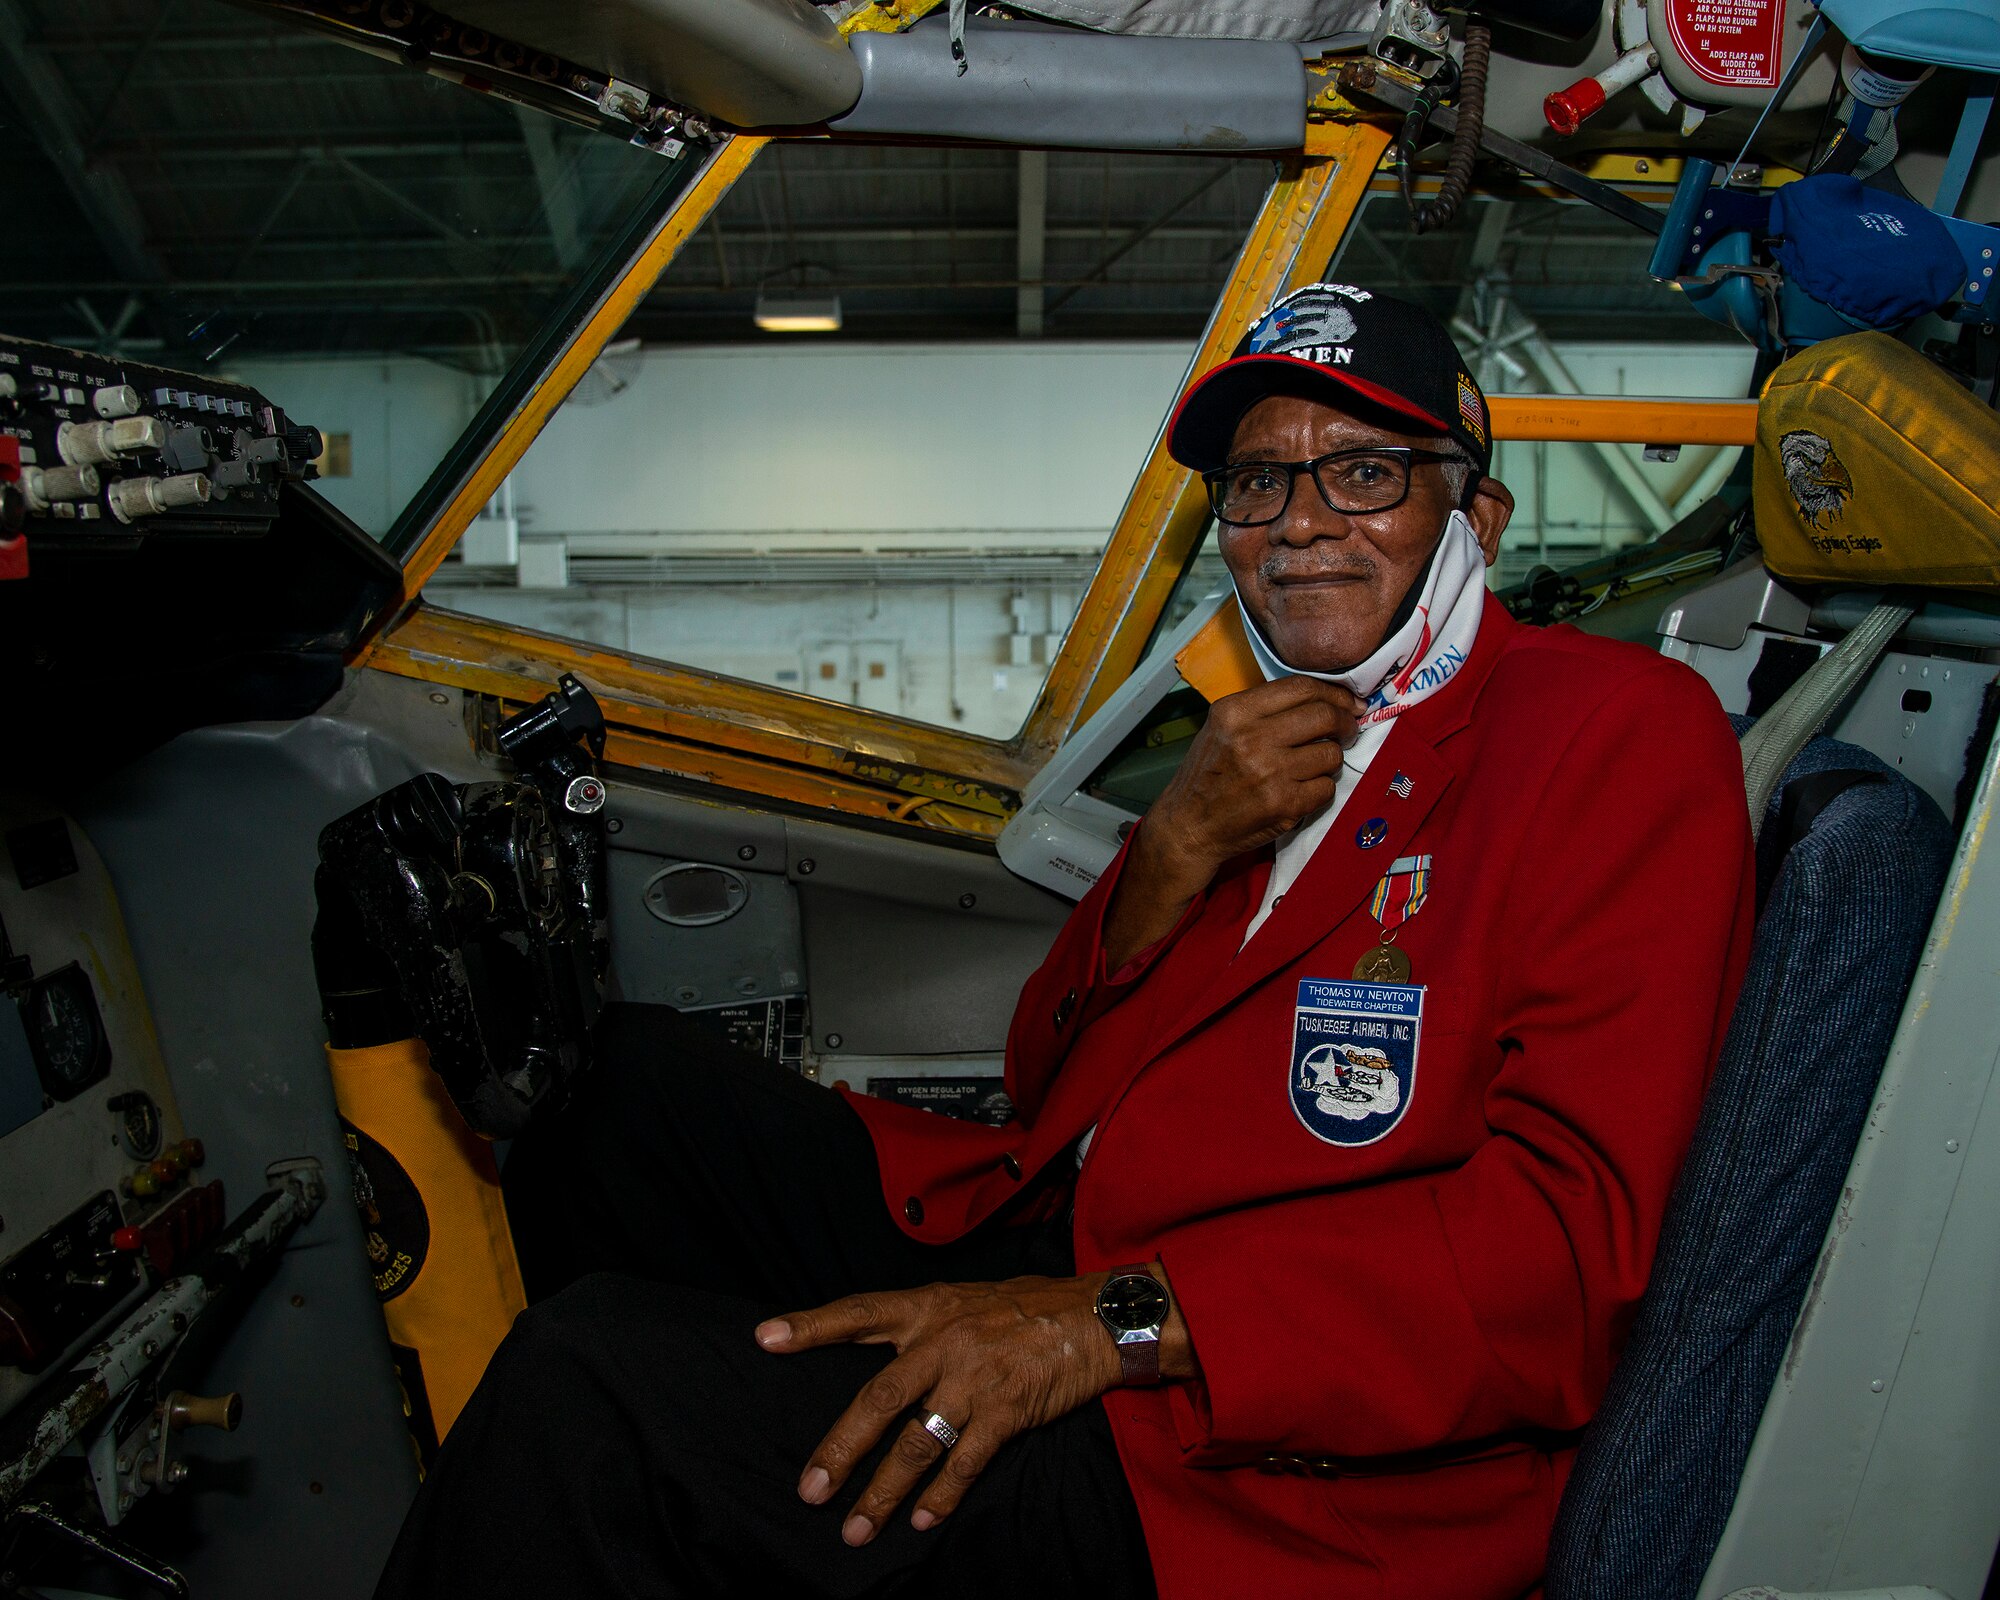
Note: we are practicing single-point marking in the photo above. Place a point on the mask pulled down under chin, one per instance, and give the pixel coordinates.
(1426, 651)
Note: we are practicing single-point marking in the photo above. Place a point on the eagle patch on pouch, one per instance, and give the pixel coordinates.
(1354, 1058)
(1817, 477)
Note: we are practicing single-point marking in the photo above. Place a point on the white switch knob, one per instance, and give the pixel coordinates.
(116, 400)
(147, 497)
(88, 444)
(46, 485)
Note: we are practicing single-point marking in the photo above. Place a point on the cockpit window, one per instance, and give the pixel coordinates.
(222, 191)
(868, 436)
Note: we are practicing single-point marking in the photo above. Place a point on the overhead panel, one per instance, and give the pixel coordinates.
(1024, 83)
(754, 63)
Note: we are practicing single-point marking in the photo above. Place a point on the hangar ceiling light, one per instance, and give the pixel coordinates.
(791, 313)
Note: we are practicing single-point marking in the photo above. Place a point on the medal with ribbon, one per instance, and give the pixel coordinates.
(1399, 896)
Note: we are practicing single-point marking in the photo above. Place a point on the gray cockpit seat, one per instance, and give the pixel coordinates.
(1874, 473)
(1852, 859)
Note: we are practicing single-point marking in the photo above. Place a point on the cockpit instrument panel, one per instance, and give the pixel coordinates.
(97, 453)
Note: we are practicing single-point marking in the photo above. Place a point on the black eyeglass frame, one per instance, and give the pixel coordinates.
(1410, 454)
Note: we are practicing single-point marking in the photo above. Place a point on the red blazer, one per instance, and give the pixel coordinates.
(1433, 1313)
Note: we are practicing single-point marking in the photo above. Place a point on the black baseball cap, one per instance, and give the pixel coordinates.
(1339, 343)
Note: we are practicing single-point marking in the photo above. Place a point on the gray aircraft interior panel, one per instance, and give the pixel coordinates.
(210, 842)
(663, 824)
(87, 1009)
(747, 948)
(1930, 1497)
(913, 948)
(1917, 711)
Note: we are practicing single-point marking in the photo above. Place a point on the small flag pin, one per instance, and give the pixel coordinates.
(1400, 786)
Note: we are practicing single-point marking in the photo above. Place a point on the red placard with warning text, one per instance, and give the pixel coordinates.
(1730, 43)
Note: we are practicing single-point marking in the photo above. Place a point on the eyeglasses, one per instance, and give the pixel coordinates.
(1251, 494)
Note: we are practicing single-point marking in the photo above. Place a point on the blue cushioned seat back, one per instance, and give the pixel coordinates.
(1847, 912)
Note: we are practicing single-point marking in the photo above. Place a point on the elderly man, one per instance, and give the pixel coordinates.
(1349, 1103)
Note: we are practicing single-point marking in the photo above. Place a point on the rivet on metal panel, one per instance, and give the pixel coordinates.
(1875, 1384)
(967, 901)
(440, 699)
(1951, 1147)
(808, 867)
(833, 1041)
(746, 852)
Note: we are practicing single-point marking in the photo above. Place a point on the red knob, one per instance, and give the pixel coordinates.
(127, 1238)
(1567, 109)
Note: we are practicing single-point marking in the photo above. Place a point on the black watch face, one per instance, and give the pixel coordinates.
(1132, 1303)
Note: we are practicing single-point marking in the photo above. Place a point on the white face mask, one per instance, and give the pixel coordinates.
(1422, 655)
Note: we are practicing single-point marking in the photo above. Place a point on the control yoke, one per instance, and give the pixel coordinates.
(473, 916)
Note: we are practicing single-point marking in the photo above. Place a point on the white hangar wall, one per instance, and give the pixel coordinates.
(1000, 438)
(907, 527)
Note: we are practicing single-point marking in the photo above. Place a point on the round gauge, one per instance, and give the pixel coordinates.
(140, 1124)
(66, 1032)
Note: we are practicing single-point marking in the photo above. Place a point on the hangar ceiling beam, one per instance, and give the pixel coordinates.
(558, 195)
(230, 150)
(1137, 237)
(401, 202)
(43, 97)
(1031, 241)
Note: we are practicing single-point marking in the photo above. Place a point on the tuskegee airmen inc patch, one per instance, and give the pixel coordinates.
(1354, 1057)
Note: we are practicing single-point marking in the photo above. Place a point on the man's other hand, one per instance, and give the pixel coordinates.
(1265, 761)
(992, 1359)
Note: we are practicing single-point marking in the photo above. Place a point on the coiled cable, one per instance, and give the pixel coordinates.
(1426, 216)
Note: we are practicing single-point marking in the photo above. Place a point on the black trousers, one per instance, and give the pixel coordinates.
(631, 1439)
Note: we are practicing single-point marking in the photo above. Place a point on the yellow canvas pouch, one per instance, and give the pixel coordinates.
(434, 1225)
(1874, 469)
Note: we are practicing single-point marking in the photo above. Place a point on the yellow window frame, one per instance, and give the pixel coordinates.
(684, 722)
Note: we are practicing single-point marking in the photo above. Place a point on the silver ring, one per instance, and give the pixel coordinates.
(940, 1430)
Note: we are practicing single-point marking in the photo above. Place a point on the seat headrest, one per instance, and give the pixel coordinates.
(1875, 469)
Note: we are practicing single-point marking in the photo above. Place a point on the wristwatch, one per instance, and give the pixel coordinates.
(1134, 1306)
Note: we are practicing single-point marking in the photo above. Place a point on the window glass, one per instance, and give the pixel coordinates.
(204, 187)
(901, 512)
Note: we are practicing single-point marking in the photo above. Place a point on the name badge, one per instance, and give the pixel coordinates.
(1354, 1057)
